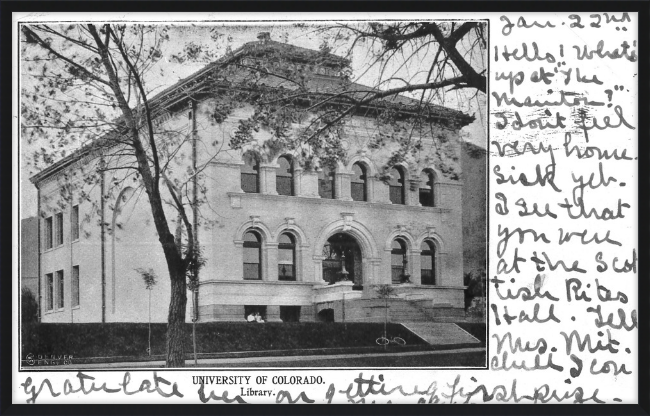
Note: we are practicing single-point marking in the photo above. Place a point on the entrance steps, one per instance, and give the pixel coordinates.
(399, 310)
(433, 323)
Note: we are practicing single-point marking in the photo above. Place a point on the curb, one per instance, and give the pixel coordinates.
(270, 353)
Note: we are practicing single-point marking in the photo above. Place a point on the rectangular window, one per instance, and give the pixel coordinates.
(58, 229)
(60, 294)
(286, 269)
(253, 310)
(48, 233)
(286, 272)
(358, 191)
(283, 185)
(326, 188)
(427, 277)
(426, 197)
(249, 183)
(397, 267)
(49, 283)
(290, 313)
(427, 267)
(396, 195)
(75, 286)
(252, 263)
(252, 271)
(326, 179)
(74, 223)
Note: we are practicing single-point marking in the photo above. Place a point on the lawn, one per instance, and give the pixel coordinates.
(131, 339)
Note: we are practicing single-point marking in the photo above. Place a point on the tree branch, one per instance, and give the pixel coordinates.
(30, 34)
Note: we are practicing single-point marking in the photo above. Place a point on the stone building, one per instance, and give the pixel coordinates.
(292, 242)
(29, 254)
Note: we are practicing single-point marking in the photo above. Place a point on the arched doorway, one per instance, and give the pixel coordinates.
(342, 260)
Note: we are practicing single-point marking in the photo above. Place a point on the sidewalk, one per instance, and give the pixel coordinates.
(256, 361)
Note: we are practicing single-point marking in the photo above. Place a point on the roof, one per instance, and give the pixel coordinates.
(316, 84)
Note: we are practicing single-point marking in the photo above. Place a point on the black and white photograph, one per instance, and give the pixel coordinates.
(422, 205)
(253, 195)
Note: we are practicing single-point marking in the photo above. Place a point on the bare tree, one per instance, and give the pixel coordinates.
(88, 75)
(413, 67)
(88, 84)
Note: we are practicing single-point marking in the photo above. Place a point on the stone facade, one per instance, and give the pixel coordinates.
(92, 275)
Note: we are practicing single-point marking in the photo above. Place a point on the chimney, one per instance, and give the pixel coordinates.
(264, 37)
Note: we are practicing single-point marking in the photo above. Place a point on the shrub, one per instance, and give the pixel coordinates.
(28, 307)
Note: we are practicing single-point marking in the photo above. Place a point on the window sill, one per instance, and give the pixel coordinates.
(258, 282)
(236, 197)
(47, 250)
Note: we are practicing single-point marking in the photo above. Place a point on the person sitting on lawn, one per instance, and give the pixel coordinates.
(250, 318)
(258, 318)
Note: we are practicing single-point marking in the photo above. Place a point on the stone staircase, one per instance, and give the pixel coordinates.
(433, 323)
(399, 310)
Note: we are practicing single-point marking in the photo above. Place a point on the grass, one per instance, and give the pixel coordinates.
(131, 339)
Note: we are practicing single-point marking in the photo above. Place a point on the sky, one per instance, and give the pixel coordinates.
(215, 40)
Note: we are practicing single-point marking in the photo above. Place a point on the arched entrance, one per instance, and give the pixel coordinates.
(342, 260)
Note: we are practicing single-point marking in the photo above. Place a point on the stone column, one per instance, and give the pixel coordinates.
(381, 192)
(415, 265)
(309, 184)
(441, 264)
(318, 270)
(232, 268)
(342, 186)
(298, 175)
(437, 195)
(413, 192)
(307, 313)
(271, 262)
(267, 179)
(371, 277)
(273, 313)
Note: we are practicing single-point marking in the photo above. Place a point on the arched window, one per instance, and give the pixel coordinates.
(250, 173)
(426, 189)
(358, 183)
(287, 257)
(326, 183)
(252, 256)
(396, 185)
(428, 263)
(284, 176)
(398, 262)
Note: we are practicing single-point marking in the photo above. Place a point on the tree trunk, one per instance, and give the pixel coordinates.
(176, 321)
